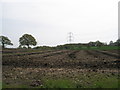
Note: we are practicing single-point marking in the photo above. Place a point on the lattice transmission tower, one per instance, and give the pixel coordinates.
(70, 37)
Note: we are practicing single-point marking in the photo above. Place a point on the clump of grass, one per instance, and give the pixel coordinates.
(99, 80)
(0, 85)
(111, 82)
(14, 86)
(59, 83)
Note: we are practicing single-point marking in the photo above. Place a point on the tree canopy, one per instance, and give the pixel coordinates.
(118, 42)
(5, 41)
(27, 40)
(97, 43)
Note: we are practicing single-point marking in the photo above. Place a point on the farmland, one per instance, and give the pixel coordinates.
(34, 68)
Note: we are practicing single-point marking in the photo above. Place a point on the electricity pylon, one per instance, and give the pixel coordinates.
(70, 37)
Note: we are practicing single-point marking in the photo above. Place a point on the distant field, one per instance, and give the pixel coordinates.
(34, 68)
(98, 48)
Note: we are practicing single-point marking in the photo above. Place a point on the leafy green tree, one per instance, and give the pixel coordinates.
(98, 43)
(27, 40)
(5, 41)
(111, 43)
(117, 42)
(91, 43)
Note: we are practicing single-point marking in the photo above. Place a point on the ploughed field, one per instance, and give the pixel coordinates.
(60, 68)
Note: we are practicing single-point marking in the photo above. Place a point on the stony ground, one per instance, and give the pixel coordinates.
(31, 68)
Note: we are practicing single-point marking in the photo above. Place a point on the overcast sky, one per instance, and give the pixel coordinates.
(50, 21)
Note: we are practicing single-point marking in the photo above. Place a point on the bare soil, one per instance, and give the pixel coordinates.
(21, 67)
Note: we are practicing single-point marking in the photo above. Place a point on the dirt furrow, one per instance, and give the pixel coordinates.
(104, 60)
(65, 58)
(26, 53)
(109, 54)
(33, 60)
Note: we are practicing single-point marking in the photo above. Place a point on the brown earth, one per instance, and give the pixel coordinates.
(31, 66)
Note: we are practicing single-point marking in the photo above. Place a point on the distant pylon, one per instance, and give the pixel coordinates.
(70, 37)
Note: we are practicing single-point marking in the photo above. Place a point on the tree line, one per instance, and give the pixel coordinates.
(25, 40)
(28, 40)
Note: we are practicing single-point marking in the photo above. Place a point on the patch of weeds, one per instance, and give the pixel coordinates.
(99, 80)
(14, 86)
(0, 85)
(111, 82)
(78, 85)
(59, 83)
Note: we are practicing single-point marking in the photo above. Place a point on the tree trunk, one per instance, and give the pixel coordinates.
(28, 46)
(3, 45)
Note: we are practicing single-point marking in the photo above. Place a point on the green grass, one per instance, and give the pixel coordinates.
(14, 86)
(0, 85)
(59, 83)
(110, 82)
(102, 81)
(95, 81)
(107, 83)
(98, 80)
